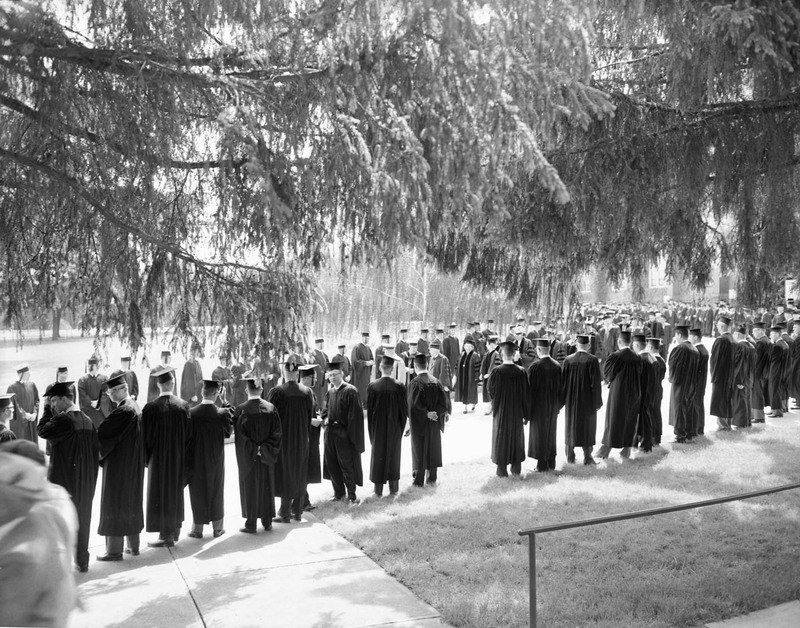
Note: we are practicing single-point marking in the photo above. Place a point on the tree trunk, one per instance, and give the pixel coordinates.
(57, 323)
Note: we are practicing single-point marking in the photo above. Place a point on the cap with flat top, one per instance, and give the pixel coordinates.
(452, 325)
(5, 400)
(403, 331)
(436, 344)
(759, 325)
(60, 389)
(336, 363)
(365, 334)
(125, 358)
(725, 319)
(543, 342)
(62, 369)
(22, 368)
(639, 338)
(210, 383)
(319, 340)
(655, 341)
(625, 336)
(509, 341)
(166, 353)
(117, 378)
(683, 329)
(164, 374)
(696, 331)
(306, 369)
(93, 360)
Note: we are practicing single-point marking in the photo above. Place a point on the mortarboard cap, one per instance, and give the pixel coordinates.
(542, 342)
(490, 321)
(208, 383)
(93, 360)
(759, 325)
(696, 331)
(452, 325)
(494, 338)
(23, 368)
(365, 334)
(5, 400)
(625, 335)
(318, 340)
(166, 353)
(582, 339)
(125, 358)
(413, 343)
(683, 329)
(436, 344)
(60, 389)
(510, 340)
(117, 378)
(776, 328)
(341, 346)
(253, 383)
(439, 330)
(62, 369)
(537, 323)
(655, 341)
(163, 374)
(306, 369)
(384, 336)
(423, 331)
(725, 319)
(404, 331)
(639, 338)
(469, 341)
(336, 363)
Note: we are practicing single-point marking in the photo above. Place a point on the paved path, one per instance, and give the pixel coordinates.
(781, 616)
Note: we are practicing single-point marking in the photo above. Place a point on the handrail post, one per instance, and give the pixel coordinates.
(532, 578)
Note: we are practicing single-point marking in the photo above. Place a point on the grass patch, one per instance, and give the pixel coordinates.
(456, 545)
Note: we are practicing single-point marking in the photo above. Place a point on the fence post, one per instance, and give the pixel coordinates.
(532, 578)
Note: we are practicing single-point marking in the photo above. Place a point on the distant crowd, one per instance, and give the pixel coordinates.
(279, 407)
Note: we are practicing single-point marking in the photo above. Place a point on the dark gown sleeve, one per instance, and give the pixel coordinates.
(355, 420)
(596, 379)
(56, 428)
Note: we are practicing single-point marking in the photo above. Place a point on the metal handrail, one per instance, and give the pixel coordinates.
(532, 532)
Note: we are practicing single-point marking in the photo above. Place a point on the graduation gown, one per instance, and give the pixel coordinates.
(451, 349)
(683, 364)
(343, 406)
(26, 399)
(508, 386)
(721, 367)
(321, 385)
(387, 410)
(362, 372)
(546, 398)
(133, 384)
(491, 360)
(73, 465)
(467, 377)
(760, 396)
(205, 461)
(583, 397)
(166, 429)
(623, 372)
(122, 459)
(92, 388)
(779, 356)
(440, 369)
(699, 416)
(258, 429)
(660, 369)
(192, 382)
(426, 394)
(295, 405)
(646, 423)
(744, 363)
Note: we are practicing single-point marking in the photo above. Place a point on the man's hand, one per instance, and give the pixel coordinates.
(433, 416)
(194, 397)
(740, 386)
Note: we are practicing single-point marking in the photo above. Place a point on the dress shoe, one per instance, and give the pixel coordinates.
(759, 421)
(161, 543)
(589, 460)
(297, 517)
(268, 527)
(83, 568)
(281, 519)
(336, 498)
(132, 552)
(247, 530)
(109, 557)
(310, 507)
(218, 533)
(195, 535)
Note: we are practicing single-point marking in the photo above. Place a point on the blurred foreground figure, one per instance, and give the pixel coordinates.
(38, 527)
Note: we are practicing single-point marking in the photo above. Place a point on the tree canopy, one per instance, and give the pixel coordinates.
(195, 164)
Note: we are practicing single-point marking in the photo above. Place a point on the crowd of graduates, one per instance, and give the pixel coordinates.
(278, 411)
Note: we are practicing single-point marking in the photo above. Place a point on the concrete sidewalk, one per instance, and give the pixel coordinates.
(781, 616)
(299, 574)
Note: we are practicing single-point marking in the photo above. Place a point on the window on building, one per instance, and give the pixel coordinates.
(658, 275)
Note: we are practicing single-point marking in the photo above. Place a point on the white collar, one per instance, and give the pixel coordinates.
(207, 402)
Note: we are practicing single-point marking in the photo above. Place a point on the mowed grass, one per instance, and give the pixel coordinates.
(456, 545)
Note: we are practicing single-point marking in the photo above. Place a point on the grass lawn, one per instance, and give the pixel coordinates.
(456, 545)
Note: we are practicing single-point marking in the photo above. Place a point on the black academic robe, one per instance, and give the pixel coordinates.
(6, 434)
(660, 368)
(545, 400)
(491, 360)
(527, 355)
(295, 405)
(699, 414)
(794, 389)
(508, 387)
(73, 465)
(321, 384)
(787, 373)
(646, 423)
(623, 372)
(744, 365)
(122, 459)
(92, 388)
(683, 367)
(721, 368)
(401, 347)
(451, 349)
(362, 371)
(387, 410)
(761, 373)
(166, 429)
(205, 461)
(583, 397)
(343, 406)
(426, 394)
(607, 341)
(779, 357)
(314, 464)
(192, 382)
(26, 399)
(257, 428)
(467, 377)
(440, 369)
(133, 384)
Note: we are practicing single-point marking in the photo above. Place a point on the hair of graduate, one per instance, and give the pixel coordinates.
(386, 367)
(421, 360)
(68, 394)
(210, 388)
(508, 350)
(682, 334)
(253, 385)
